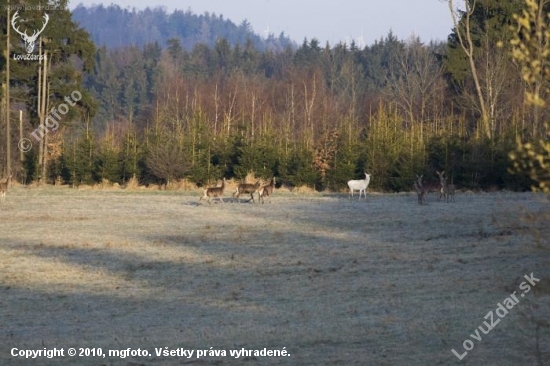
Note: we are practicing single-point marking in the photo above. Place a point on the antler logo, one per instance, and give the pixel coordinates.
(29, 40)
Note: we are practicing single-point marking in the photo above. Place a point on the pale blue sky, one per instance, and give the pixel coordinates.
(362, 20)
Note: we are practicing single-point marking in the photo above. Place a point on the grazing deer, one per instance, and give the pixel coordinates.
(359, 185)
(420, 190)
(266, 190)
(4, 187)
(212, 192)
(447, 190)
(246, 188)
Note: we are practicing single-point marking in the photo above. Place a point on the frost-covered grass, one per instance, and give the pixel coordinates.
(377, 282)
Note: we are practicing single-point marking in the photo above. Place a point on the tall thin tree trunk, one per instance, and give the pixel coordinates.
(39, 107)
(45, 101)
(468, 49)
(21, 155)
(8, 134)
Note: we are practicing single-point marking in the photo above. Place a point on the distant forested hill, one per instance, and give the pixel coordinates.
(114, 27)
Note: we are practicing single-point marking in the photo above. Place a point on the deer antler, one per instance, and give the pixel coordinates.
(46, 18)
(36, 33)
(25, 35)
(15, 16)
(29, 40)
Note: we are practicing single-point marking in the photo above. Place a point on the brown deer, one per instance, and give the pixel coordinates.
(431, 187)
(420, 190)
(447, 190)
(4, 187)
(266, 190)
(214, 192)
(247, 188)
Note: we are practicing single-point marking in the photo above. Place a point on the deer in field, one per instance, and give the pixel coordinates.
(247, 188)
(360, 185)
(447, 190)
(266, 190)
(431, 187)
(4, 187)
(214, 192)
(420, 190)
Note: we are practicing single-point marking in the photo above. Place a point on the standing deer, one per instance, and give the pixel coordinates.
(447, 190)
(246, 188)
(431, 187)
(420, 190)
(359, 185)
(4, 187)
(214, 192)
(266, 190)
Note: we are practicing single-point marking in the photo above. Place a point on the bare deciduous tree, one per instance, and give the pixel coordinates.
(415, 80)
(167, 160)
(464, 36)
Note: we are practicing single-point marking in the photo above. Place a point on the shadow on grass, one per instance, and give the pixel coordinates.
(332, 280)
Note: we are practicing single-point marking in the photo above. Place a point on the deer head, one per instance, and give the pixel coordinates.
(29, 40)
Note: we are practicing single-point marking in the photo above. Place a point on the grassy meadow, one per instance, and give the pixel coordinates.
(381, 281)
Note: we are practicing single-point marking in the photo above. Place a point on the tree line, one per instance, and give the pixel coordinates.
(114, 27)
(315, 114)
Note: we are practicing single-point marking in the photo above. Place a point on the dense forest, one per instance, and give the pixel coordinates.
(115, 27)
(213, 100)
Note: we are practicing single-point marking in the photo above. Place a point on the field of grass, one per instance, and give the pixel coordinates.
(336, 282)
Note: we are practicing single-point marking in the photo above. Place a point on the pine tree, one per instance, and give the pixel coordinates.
(67, 54)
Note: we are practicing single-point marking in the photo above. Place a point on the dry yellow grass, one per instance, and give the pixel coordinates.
(382, 281)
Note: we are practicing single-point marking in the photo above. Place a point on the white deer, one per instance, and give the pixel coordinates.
(29, 40)
(359, 185)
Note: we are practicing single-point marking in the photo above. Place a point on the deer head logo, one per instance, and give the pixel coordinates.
(29, 40)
